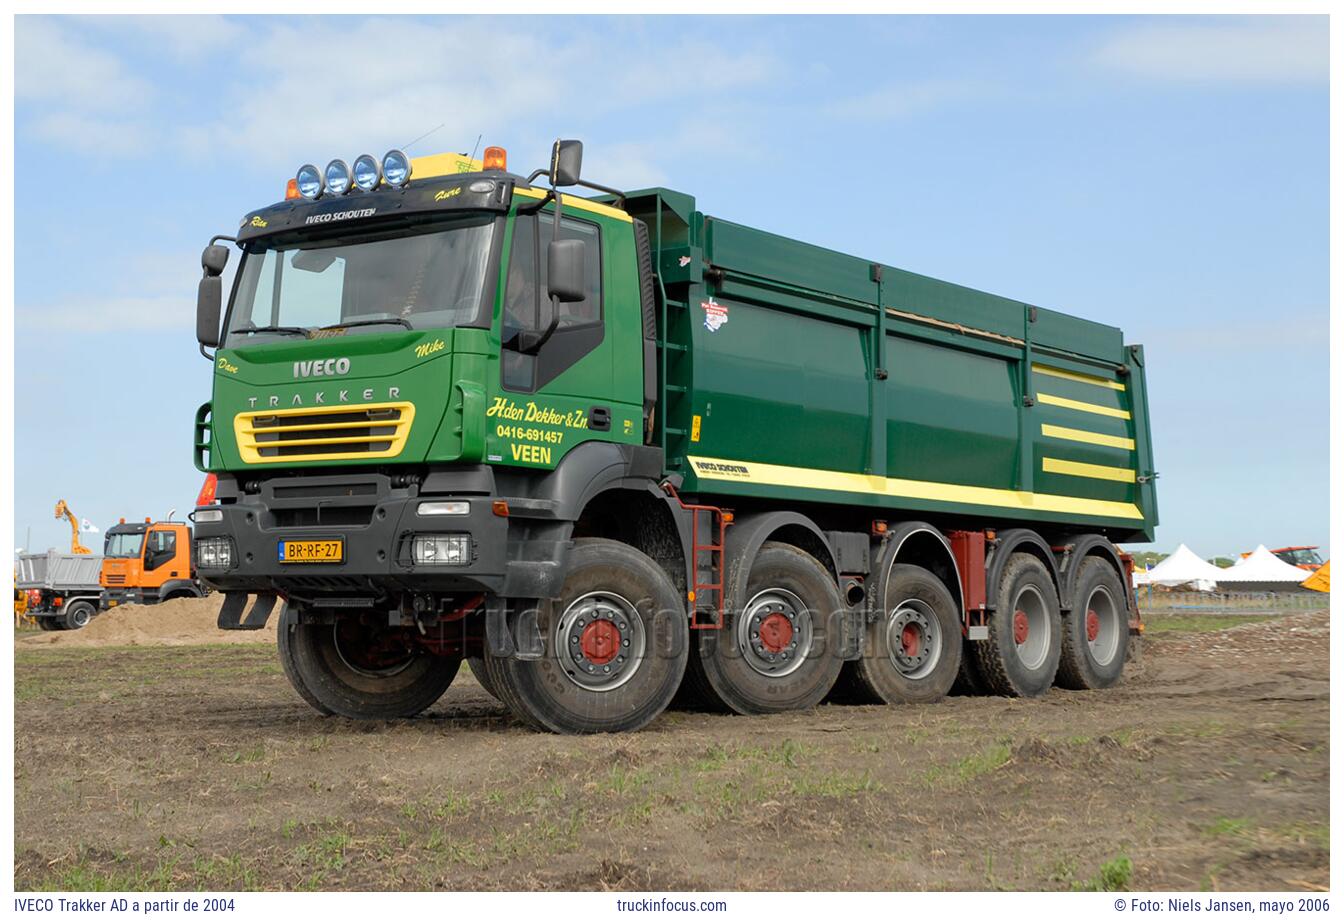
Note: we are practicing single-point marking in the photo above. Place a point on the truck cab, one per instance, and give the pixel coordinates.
(147, 562)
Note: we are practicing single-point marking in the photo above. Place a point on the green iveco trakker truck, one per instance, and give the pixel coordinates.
(652, 452)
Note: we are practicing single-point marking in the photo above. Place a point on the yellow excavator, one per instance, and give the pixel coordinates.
(63, 511)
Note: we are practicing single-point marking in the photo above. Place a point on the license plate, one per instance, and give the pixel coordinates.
(311, 550)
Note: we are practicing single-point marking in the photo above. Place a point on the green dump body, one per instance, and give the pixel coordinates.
(789, 372)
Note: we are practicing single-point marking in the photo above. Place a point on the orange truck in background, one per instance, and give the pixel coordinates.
(148, 562)
(1304, 557)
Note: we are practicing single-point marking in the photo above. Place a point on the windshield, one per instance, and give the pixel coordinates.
(124, 545)
(1300, 557)
(428, 280)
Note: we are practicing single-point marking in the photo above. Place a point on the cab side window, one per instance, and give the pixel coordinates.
(160, 548)
(527, 305)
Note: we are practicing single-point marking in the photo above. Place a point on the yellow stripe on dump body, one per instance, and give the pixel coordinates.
(1081, 406)
(1086, 470)
(583, 204)
(1086, 437)
(768, 474)
(1077, 377)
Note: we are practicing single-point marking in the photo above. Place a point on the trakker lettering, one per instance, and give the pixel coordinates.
(552, 451)
(331, 367)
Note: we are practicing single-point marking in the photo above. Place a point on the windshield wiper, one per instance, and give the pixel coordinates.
(373, 321)
(290, 330)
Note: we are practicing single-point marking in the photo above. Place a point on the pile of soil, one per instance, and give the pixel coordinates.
(187, 621)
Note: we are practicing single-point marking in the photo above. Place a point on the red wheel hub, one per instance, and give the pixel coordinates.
(1021, 627)
(776, 633)
(600, 641)
(1093, 625)
(910, 640)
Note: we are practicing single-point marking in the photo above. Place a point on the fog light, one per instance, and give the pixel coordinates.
(309, 181)
(338, 177)
(433, 508)
(208, 516)
(396, 168)
(214, 553)
(442, 549)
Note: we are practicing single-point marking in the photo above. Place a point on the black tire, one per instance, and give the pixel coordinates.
(314, 658)
(1022, 663)
(969, 682)
(284, 640)
(788, 587)
(913, 653)
(77, 614)
(477, 666)
(620, 612)
(48, 624)
(1096, 629)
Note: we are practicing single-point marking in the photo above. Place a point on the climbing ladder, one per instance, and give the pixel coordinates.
(706, 560)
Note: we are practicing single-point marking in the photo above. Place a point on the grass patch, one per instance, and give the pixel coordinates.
(1167, 623)
(971, 767)
(1228, 827)
(1114, 875)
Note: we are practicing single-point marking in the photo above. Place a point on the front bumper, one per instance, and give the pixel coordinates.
(119, 597)
(375, 518)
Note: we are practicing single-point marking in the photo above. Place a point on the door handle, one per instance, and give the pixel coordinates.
(599, 418)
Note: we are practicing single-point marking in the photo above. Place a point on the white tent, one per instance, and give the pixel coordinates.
(1264, 567)
(1182, 567)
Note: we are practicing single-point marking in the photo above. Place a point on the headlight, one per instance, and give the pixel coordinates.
(396, 168)
(309, 181)
(367, 172)
(425, 509)
(214, 553)
(208, 516)
(442, 549)
(338, 177)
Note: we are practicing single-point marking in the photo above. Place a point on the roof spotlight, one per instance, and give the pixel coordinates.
(396, 168)
(338, 177)
(367, 172)
(309, 181)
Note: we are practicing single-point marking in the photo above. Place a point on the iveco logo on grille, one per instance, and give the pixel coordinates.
(332, 367)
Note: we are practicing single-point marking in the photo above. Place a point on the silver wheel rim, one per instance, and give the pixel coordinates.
(600, 641)
(914, 639)
(1104, 645)
(1034, 648)
(774, 632)
(81, 616)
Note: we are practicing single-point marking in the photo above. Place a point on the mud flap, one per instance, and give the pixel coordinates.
(231, 614)
(523, 641)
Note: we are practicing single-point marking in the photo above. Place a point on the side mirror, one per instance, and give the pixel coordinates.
(565, 270)
(213, 259)
(566, 163)
(209, 296)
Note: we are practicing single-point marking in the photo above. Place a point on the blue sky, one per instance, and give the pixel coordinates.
(1168, 175)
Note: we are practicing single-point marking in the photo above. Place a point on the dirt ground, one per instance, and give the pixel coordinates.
(197, 767)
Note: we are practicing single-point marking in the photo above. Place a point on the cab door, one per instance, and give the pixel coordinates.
(583, 382)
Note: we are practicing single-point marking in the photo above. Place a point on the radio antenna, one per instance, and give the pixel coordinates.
(421, 137)
(477, 147)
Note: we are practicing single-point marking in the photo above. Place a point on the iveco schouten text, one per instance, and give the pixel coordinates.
(603, 445)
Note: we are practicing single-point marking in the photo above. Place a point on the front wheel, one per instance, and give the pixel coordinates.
(614, 646)
(352, 669)
(913, 651)
(776, 653)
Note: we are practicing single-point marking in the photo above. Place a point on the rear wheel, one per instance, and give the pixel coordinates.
(776, 654)
(349, 668)
(1096, 630)
(614, 646)
(77, 614)
(913, 652)
(48, 624)
(1021, 655)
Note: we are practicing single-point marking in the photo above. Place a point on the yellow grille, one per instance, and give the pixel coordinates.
(372, 430)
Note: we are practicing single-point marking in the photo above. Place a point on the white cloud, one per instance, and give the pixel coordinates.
(91, 134)
(186, 37)
(54, 66)
(900, 100)
(1257, 50)
(315, 88)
